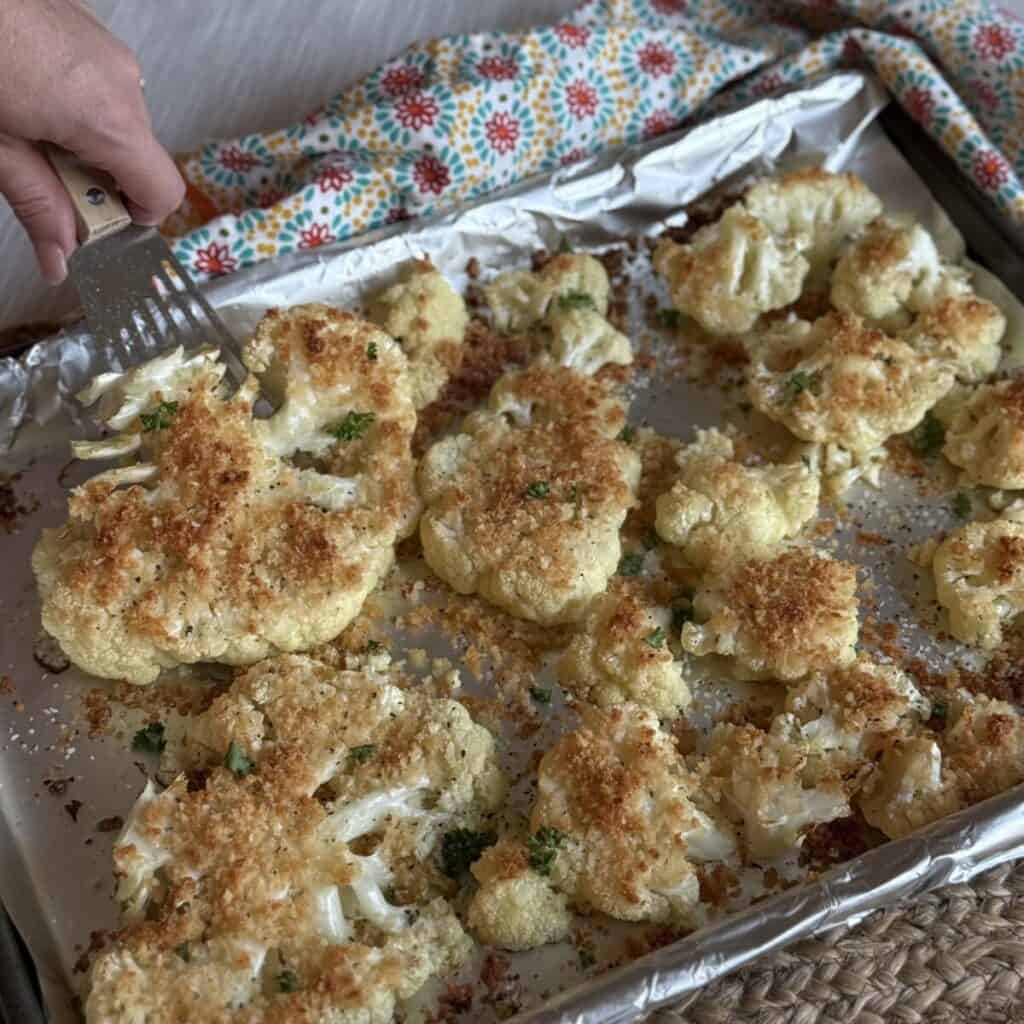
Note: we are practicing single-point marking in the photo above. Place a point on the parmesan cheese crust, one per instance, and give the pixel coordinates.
(779, 617)
(234, 537)
(721, 510)
(264, 892)
(524, 507)
(839, 380)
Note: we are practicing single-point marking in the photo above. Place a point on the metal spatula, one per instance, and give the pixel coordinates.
(130, 284)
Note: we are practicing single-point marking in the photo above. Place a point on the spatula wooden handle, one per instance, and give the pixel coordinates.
(98, 208)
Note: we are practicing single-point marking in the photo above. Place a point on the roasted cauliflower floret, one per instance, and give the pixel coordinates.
(979, 753)
(893, 269)
(844, 714)
(773, 784)
(814, 210)
(267, 889)
(778, 617)
(963, 333)
(623, 655)
(515, 907)
(584, 341)
(979, 579)
(730, 273)
(519, 299)
(909, 789)
(722, 510)
(838, 469)
(234, 537)
(524, 507)
(427, 317)
(617, 826)
(841, 381)
(985, 434)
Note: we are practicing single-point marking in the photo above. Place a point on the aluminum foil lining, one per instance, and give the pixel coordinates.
(54, 874)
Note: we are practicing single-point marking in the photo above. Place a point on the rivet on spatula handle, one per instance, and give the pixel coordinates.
(98, 208)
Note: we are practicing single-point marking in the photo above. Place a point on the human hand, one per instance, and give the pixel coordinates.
(65, 79)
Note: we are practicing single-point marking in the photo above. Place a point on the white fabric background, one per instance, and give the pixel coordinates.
(219, 68)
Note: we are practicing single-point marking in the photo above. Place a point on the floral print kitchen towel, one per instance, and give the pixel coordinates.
(456, 118)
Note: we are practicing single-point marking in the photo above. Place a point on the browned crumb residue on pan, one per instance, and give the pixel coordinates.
(835, 842)
(13, 509)
(154, 701)
(487, 354)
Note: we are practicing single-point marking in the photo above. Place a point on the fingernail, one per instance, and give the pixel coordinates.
(52, 264)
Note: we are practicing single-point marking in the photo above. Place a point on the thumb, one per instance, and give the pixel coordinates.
(40, 203)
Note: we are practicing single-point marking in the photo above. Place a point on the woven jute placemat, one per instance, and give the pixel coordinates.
(954, 956)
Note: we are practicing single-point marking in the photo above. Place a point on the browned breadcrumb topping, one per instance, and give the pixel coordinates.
(788, 601)
(882, 635)
(955, 317)
(700, 213)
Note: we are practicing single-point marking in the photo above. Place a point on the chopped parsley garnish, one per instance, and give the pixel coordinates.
(461, 847)
(575, 300)
(656, 638)
(371, 351)
(631, 564)
(236, 762)
(961, 505)
(540, 695)
(669, 318)
(799, 382)
(288, 981)
(627, 435)
(543, 846)
(650, 539)
(353, 427)
(151, 739)
(940, 709)
(565, 245)
(183, 952)
(374, 646)
(360, 755)
(538, 489)
(160, 419)
(927, 437)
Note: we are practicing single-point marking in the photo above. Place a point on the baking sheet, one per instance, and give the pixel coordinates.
(55, 873)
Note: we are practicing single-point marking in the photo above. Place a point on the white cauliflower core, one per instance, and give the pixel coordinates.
(840, 381)
(524, 507)
(233, 537)
(985, 434)
(778, 617)
(979, 579)
(520, 299)
(814, 211)
(720, 510)
(264, 893)
(730, 273)
(428, 318)
(979, 753)
(623, 655)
